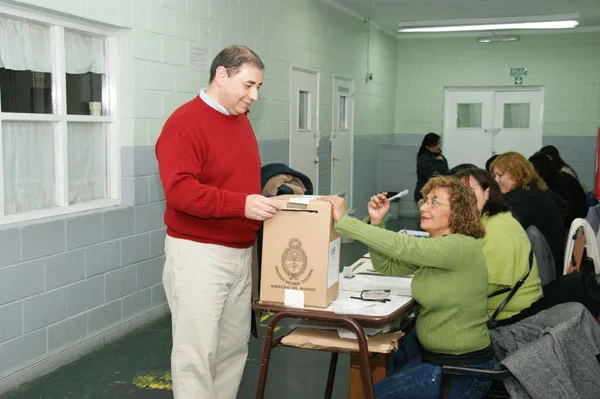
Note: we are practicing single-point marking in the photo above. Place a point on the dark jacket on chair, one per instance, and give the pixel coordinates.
(553, 354)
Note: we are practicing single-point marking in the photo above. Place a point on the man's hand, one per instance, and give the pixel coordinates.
(261, 208)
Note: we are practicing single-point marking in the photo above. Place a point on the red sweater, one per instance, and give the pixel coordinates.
(208, 163)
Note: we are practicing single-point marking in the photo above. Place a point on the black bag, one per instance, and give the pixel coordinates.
(492, 322)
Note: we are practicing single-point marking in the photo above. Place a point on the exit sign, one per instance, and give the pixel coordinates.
(518, 72)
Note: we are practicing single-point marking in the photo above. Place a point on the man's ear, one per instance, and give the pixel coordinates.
(221, 75)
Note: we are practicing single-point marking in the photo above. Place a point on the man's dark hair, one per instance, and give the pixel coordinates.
(233, 58)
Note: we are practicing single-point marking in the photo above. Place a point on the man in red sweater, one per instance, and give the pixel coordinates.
(210, 170)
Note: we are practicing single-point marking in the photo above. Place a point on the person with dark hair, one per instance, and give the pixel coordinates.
(430, 162)
(566, 171)
(505, 245)
(460, 167)
(530, 202)
(210, 167)
(449, 282)
(488, 163)
(563, 185)
(558, 162)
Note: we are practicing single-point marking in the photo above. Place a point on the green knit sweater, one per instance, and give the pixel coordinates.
(506, 248)
(449, 282)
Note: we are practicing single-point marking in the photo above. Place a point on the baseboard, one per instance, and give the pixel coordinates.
(60, 357)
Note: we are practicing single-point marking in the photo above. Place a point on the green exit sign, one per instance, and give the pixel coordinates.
(518, 71)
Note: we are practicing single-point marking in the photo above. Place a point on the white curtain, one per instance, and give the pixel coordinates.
(87, 161)
(83, 53)
(29, 176)
(25, 46)
(468, 115)
(516, 115)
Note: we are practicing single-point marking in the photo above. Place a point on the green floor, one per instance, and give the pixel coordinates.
(137, 366)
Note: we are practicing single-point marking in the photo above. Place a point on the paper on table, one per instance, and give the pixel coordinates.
(397, 285)
(343, 333)
(350, 306)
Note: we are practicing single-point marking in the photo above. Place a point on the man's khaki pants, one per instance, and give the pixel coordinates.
(208, 288)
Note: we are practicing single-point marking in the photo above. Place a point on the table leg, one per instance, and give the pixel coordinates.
(331, 376)
(363, 349)
(266, 356)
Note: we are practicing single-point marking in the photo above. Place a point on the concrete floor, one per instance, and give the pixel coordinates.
(137, 366)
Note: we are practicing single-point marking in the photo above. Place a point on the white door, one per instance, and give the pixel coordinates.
(304, 125)
(481, 123)
(467, 115)
(342, 138)
(518, 119)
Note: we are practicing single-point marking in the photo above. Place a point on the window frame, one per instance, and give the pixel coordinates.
(60, 118)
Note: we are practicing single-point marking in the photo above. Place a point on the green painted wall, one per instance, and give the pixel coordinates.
(566, 65)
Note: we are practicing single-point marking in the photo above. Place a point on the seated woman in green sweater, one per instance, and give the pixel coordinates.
(449, 282)
(505, 245)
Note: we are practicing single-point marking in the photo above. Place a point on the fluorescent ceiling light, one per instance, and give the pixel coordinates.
(491, 27)
(493, 39)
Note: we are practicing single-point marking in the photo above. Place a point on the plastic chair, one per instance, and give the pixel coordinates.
(581, 236)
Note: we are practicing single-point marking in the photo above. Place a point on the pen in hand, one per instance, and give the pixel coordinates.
(398, 196)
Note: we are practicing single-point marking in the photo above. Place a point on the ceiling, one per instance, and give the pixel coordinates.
(388, 14)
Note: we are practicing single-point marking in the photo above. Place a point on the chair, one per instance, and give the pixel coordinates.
(581, 236)
(553, 354)
(593, 218)
(543, 255)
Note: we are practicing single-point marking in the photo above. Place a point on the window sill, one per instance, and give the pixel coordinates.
(58, 212)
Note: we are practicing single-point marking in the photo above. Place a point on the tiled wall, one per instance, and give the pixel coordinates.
(65, 282)
(567, 65)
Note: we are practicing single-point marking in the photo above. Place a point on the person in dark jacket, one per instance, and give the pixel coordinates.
(430, 162)
(563, 185)
(527, 196)
(558, 162)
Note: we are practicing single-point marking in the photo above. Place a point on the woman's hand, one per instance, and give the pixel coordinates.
(378, 207)
(338, 205)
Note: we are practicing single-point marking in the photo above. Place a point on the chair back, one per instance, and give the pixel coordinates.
(593, 217)
(581, 236)
(543, 255)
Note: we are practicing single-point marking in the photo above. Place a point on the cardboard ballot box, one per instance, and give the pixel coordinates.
(300, 254)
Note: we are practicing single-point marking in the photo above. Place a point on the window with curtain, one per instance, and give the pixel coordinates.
(57, 151)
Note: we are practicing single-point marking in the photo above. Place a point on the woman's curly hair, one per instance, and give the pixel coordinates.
(464, 215)
(520, 169)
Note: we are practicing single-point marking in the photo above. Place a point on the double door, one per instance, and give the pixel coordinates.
(479, 123)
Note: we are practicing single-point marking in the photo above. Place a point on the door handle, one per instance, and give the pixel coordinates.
(493, 131)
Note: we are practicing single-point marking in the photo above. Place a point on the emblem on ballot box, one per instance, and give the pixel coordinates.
(293, 259)
(294, 263)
